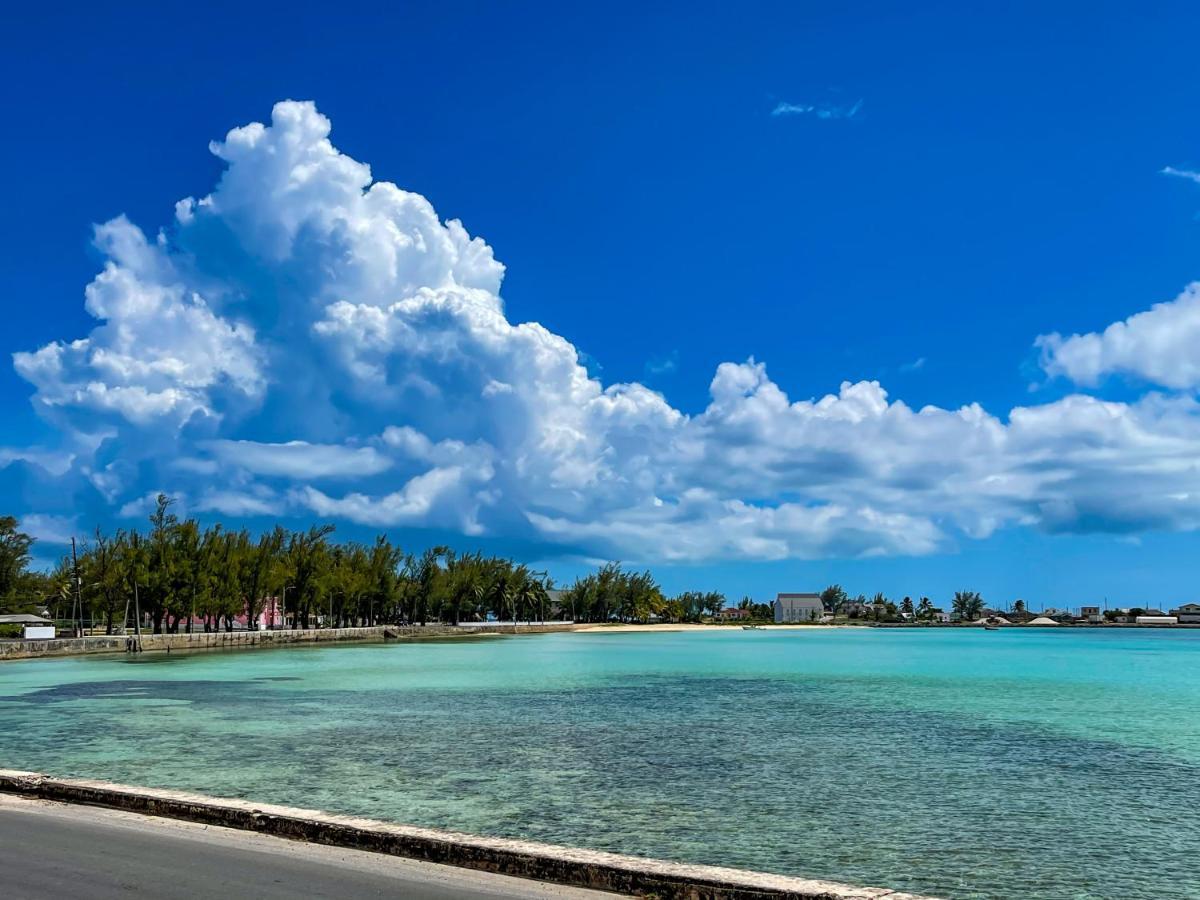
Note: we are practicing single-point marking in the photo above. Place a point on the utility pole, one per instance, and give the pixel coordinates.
(77, 606)
(137, 612)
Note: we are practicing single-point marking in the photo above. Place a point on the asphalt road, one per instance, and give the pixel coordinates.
(52, 850)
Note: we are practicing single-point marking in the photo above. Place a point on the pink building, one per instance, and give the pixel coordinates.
(270, 615)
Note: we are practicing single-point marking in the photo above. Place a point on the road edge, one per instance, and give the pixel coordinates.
(524, 859)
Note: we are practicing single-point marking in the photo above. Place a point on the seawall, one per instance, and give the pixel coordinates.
(524, 859)
(237, 640)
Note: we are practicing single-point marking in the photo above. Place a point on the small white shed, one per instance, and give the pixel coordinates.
(33, 628)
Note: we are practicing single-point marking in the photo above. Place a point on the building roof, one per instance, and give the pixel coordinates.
(806, 600)
(24, 619)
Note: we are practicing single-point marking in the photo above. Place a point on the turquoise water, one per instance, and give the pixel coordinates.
(1022, 763)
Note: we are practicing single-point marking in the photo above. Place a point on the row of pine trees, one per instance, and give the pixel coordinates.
(179, 575)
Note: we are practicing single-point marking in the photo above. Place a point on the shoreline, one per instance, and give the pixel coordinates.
(548, 863)
(600, 628)
(249, 640)
(19, 649)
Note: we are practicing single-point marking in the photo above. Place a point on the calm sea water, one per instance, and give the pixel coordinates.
(1017, 763)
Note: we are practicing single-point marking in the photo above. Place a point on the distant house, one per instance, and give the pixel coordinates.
(856, 608)
(1187, 614)
(732, 612)
(940, 615)
(798, 608)
(1090, 614)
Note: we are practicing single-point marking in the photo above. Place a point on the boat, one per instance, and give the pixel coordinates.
(751, 627)
(991, 627)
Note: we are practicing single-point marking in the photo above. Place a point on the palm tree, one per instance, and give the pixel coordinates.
(924, 609)
(833, 598)
(967, 605)
(530, 592)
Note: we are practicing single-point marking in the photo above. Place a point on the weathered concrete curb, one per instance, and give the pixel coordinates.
(524, 859)
(235, 640)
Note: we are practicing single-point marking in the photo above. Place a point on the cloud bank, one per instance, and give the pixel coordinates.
(307, 341)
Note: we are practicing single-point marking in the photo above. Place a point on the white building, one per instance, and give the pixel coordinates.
(798, 608)
(32, 627)
(1187, 614)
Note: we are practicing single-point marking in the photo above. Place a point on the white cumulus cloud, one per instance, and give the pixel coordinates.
(1160, 345)
(306, 341)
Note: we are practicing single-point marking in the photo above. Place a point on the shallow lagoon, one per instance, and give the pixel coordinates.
(1018, 763)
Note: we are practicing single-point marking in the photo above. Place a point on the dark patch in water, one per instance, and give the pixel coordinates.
(134, 690)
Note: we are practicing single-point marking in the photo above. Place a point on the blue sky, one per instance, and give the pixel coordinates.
(948, 186)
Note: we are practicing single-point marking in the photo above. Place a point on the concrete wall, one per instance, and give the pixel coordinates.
(525, 859)
(235, 640)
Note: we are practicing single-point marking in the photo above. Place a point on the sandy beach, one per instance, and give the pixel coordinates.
(682, 626)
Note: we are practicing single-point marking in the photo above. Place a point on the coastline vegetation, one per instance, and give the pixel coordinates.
(179, 576)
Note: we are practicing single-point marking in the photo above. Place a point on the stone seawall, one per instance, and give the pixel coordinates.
(525, 859)
(236, 640)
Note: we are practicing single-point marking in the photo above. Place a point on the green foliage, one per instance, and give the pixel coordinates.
(15, 549)
(185, 575)
(967, 605)
(178, 574)
(760, 611)
(834, 599)
(613, 594)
